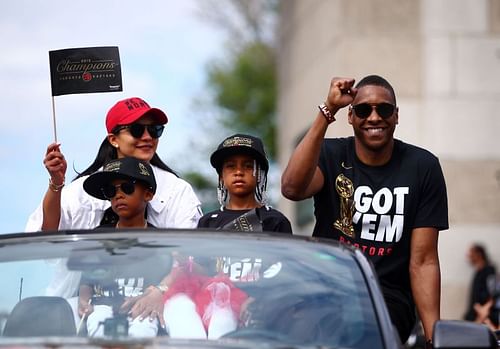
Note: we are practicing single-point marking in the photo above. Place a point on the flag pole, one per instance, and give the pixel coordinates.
(54, 118)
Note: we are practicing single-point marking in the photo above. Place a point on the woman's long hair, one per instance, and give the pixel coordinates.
(107, 153)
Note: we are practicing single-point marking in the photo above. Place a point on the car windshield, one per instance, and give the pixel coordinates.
(210, 286)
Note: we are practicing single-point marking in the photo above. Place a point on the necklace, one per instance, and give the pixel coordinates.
(145, 225)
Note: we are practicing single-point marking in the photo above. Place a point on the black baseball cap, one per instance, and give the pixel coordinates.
(240, 144)
(124, 168)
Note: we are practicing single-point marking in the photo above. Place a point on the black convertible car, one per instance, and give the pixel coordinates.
(215, 289)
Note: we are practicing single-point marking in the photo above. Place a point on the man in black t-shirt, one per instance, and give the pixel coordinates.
(379, 194)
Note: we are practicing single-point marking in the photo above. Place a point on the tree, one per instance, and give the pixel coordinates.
(242, 85)
(245, 91)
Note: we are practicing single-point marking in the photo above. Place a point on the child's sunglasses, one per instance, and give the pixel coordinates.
(364, 110)
(109, 191)
(137, 130)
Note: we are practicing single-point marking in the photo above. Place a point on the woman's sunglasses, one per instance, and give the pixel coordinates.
(137, 130)
(364, 110)
(109, 191)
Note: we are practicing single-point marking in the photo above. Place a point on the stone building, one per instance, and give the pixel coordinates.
(443, 59)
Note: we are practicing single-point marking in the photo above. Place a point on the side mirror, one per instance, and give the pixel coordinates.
(454, 334)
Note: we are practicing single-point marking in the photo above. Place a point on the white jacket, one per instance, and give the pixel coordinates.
(174, 205)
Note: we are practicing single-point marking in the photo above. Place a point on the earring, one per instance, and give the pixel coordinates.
(115, 145)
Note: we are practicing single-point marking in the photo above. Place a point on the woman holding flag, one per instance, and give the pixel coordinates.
(133, 129)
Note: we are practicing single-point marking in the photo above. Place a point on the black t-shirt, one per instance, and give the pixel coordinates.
(120, 281)
(272, 220)
(390, 201)
(112, 283)
(244, 271)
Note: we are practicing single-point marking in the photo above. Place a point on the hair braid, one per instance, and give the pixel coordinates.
(222, 194)
(260, 188)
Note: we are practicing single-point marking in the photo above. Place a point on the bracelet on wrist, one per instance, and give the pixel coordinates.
(55, 187)
(162, 288)
(326, 113)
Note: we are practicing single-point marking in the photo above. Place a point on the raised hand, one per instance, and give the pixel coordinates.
(55, 164)
(341, 93)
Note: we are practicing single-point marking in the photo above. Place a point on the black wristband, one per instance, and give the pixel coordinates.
(326, 113)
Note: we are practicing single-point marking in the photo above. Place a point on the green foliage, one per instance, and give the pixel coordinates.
(241, 83)
(245, 91)
(199, 181)
(205, 188)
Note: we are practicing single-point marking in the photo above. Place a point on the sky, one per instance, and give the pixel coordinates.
(164, 47)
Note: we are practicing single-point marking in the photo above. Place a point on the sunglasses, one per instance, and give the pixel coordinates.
(109, 191)
(364, 110)
(137, 130)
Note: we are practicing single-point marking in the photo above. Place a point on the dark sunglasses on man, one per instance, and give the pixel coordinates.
(109, 191)
(364, 110)
(137, 130)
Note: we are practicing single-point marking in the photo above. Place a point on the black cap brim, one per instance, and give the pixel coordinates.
(94, 183)
(217, 157)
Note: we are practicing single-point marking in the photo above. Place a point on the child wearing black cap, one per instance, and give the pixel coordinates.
(211, 288)
(241, 163)
(242, 166)
(129, 184)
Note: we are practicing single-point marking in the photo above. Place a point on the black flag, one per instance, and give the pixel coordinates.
(85, 70)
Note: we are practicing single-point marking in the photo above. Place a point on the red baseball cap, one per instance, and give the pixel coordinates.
(129, 110)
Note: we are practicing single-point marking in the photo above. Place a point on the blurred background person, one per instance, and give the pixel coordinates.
(480, 292)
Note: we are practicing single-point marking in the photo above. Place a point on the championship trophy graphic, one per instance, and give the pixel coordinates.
(345, 189)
